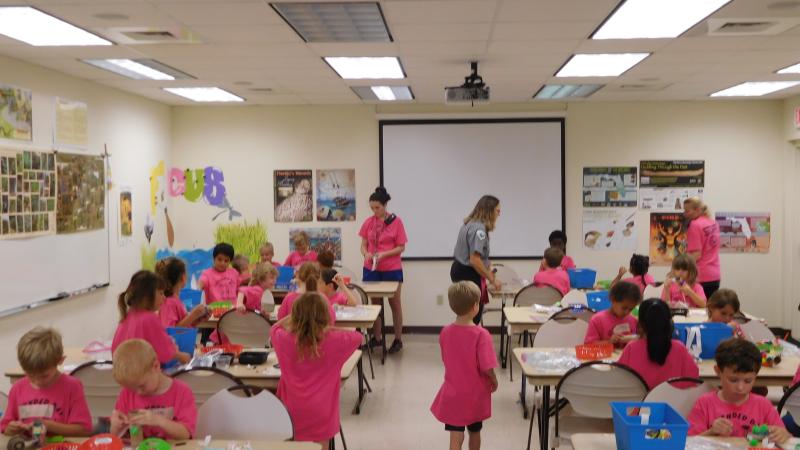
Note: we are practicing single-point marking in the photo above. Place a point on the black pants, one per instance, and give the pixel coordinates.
(709, 287)
(473, 427)
(460, 272)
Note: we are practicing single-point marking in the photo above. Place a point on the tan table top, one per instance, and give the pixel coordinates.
(360, 316)
(379, 288)
(781, 375)
(607, 441)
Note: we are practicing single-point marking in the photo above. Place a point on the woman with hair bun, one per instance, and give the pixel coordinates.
(703, 243)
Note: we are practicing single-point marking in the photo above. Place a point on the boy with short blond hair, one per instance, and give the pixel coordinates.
(45, 394)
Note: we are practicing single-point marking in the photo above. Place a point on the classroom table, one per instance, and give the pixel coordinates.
(607, 441)
(217, 443)
(361, 316)
(380, 291)
(781, 375)
(506, 291)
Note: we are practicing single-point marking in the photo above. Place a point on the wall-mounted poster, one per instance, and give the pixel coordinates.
(667, 199)
(609, 186)
(27, 193)
(665, 184)
(72, 124)
(81, 193)
(609, 229)
(667, 237)
(743, 232)
(336, 195)
(294, 200)
(321, 239)
(16, 113)
(125, 216)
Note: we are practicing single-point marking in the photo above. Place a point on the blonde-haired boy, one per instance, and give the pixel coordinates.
(162, 406)
(45, 394)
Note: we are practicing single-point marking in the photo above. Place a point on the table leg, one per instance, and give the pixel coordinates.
(383, 329)
(503, 350)
(524, 386)
(544, 425)
(538, 414)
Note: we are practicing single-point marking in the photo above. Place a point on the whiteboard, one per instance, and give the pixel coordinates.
(436, 170)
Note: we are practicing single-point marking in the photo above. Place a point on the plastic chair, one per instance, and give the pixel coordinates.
(575, 297)
(361, 293)
(755, 331)
(651, 291)
(572, 313)
(3, 403)
(249, 328)
(589, 388)
(508, 277)
(534, 295)
(267, 301)
(99, 387)
(554, 333)
(206, 381)
(258, 416)
(365, 301)
(791, 401)
(346, 272)
(682, 399)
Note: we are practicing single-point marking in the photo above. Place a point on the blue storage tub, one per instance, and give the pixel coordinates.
(581, 278)
(285, 276)
(191, 298)
(711, 334)
(632, 435)
(598, 300)
(185, 338)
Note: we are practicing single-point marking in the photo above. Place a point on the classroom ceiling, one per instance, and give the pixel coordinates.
(246, 47)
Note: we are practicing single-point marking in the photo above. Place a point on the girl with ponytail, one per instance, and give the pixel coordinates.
(173, 313)
(308, 280)
(638, 267)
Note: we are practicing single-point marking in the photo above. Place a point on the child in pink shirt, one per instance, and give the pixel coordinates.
(138, 307)
(553, 275)
(733, 411)
(162, 406)
(311, 355)
(558, 239)
(301, 253)
(173, 312)
(722, 307)
(241, 264)
(220, 282)
(615, 325)
(267, 252)
(638, 267)
(465, 398)
(308, 280)
(656, 356)
(262, 279)
(681, 286)
(335, 290)
(45, 394)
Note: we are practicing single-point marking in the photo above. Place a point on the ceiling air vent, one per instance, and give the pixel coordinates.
(751, 26)
(638, 87)
(149, 35)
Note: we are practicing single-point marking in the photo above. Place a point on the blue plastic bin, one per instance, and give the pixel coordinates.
(711, 334)
(185, 338)
(285, 276)
(632, 435)
(191, 298)
(598, 300)
(581, 278)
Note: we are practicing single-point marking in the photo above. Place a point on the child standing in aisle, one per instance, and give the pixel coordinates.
(465, 398)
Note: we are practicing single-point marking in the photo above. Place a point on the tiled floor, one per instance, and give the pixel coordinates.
(396, 415)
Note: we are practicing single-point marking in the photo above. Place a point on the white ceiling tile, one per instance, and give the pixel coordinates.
(227, 12)
(84, 14)
(246, 34)
(540, 30)
(414, 32)
(354, 49)
(434, 11)
(445, 50)
(555, 10)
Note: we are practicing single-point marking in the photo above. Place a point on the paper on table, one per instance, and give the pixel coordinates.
(545, 309)
(704, 443)
(557, 360)
(350, 312)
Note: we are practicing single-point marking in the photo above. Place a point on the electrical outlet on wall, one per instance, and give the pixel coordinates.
(440, 299)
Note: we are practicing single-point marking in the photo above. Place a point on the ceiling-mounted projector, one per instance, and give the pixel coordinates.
(473, 90)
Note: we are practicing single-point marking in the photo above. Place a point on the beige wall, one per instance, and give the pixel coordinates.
(137, 132)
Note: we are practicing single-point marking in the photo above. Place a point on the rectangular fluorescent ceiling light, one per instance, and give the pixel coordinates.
(643, 19)
(600, 65)
(34, 27)
(138, 69)
(383, 93)
(353, 68)
(755, 88)
(205, 94)
(335, 22)
(566, 91)
(791, 69)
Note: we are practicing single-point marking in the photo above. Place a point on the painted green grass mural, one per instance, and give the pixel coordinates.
(245, 238)
(148, 257)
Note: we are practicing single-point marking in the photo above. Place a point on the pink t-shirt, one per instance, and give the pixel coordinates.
(637, 280)
(709, 407)
(676, 295)
(382, 238)
(679, 362)
(252, 296)
(703, 236)
(172, 312)
(604, 324)
(141, 324)
(309, 386)
(295, 258)
(63, 402)
(244, 278)
(556, 278)
(338, 298)
(465, 396)
(566, 263)
(177, 404)
(288, 301)
(220, 286)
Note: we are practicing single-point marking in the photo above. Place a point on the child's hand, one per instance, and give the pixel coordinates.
(498, 284)
(616, 338)
(241, 309)
(146, 417)
(722, 427)
(16, 427)
(339, 280)
(368, 256)
(622, 271)
(686, 289)
(492, 384)
(778, 435)
(198, 311)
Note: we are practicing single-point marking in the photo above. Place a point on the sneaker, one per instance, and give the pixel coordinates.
(373, 343)
(396, 346)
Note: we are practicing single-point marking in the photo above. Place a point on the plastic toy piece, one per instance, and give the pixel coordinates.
(39, 433)
(136, 435)
(154, 444)
(759, 437)
(771, 352)
(102, 442)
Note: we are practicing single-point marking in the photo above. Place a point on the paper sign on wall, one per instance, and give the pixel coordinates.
(609, 229)
(125, 216)
(664, 185)
(72, 124)
(336, 195)
(609, 186)
(744, 232)
(294, 200)
(16, 113)
(667, 237)
(320, 239)
(81, 193)
(27, 193)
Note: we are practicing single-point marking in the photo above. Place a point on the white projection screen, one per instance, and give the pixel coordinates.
(436, 170)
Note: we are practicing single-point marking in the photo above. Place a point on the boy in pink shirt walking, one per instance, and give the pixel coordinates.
(733, 411)
(164, 407)
(616, 324)
(465, 398)
(45, 394)
(553, 275)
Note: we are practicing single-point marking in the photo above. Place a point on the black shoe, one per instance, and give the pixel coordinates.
(375, 343)
(396, 346)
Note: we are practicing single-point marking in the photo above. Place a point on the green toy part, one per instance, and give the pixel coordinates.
(154, 444)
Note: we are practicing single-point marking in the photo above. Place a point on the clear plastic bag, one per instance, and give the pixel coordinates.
(559, 360)
(703, 443)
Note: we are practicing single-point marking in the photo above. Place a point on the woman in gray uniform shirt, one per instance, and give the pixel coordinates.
(471, 255)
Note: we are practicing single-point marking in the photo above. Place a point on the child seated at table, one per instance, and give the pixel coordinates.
(722, 307)
(616, 324)
(45, 394)
(308, 280)
(681, 288)
(241, 264)
(558, 239)
(325, 258)
(553, 275)
(267, 253)
(163, 407)
(335, 290)
(638, 267)
(302, 252)
(732, 410)
(173, 313)
(262, 279)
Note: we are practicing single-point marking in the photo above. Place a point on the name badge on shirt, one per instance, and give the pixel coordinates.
(480, 234)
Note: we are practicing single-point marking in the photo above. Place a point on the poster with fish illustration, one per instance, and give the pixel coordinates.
(336, 195)
(294, 196)
(609, 229)
(667, 237)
